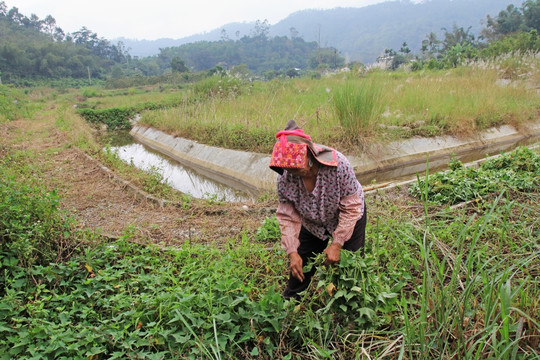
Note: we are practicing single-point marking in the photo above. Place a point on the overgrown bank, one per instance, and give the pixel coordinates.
(346, 110)
(448, 283)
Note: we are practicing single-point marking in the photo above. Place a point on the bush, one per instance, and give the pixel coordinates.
(114, 118)
(32, 230)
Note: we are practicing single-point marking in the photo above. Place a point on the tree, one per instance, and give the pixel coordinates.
(326, 58)
(531, 13)
(293, 32)
(457, 54)
(430, 45)
(457, 36)
(49, 26)
(397, 61)
(178, 65)
(59, 35)
(508, 21)
(3, 8)
(404, 49)
(224, 36)
(261, 29)
(14, 15)
(34, 22)
(293, 73)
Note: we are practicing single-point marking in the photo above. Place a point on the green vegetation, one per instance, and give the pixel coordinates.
(342, 111)
(269, 230)
(115, 118)
(34, 51)
(515, 171)
(14, 104)
(264, 55)
(455, 283)
(37, 49)
(31, 228)
(436, 282)
(514, 30)
(358, 105)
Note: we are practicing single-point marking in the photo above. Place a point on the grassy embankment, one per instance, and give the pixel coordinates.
(347, 111)
(437, 282)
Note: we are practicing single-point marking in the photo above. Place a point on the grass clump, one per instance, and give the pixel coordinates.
(358, 105)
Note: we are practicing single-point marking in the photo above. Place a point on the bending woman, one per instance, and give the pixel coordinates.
(320, 200)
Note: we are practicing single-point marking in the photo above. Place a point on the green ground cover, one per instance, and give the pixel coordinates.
(437, 283)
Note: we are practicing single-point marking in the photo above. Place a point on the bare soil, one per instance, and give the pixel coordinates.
(101, 203)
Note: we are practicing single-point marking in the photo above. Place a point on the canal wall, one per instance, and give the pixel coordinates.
(379, 162)
(237, 169)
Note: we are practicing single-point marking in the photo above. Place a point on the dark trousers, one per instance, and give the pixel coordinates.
(311, 246)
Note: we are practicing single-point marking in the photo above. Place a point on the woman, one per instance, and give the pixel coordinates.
(319, 198)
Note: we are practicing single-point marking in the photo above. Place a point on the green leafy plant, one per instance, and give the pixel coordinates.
(32, 230)
(115, 118)
(517, 170)
(269, 230)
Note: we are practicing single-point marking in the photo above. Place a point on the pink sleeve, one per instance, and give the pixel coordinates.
(351, 209)
(290, 224)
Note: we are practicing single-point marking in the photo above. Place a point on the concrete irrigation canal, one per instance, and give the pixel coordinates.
(206, 171)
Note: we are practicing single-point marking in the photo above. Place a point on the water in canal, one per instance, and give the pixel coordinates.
(179, 177)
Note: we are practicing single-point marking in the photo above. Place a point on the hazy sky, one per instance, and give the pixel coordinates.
(153, 19)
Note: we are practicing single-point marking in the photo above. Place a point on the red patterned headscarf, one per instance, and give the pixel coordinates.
(291, 148)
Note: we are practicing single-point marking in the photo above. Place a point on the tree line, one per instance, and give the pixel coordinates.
(513, 30)
(33, 48)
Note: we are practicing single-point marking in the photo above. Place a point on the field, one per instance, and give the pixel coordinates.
(90, 269)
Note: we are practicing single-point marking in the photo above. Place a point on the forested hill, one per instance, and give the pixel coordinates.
(358, 33)
(363, 34)
(37, 48)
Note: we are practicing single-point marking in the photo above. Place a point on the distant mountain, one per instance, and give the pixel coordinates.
(359, 34)
(143, 48)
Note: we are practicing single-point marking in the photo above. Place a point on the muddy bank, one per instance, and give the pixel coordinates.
(381, 162)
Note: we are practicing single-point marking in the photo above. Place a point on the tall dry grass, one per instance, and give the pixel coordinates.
(385, 105)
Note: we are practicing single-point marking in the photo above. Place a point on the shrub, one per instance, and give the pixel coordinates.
(114, 118)
(32, 230)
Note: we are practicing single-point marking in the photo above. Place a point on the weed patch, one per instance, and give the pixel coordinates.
(518, 170)
(32, 230)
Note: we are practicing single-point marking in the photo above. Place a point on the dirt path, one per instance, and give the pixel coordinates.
(100, 202)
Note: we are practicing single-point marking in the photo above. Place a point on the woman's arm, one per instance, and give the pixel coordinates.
(351, 209)
(290, 224)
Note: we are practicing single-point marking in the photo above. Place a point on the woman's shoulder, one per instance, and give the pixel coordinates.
(342, 161)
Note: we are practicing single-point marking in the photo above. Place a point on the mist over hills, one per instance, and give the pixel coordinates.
(359, 34)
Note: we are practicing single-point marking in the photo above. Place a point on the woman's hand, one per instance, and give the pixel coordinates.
(332, 254)
(295, 264)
